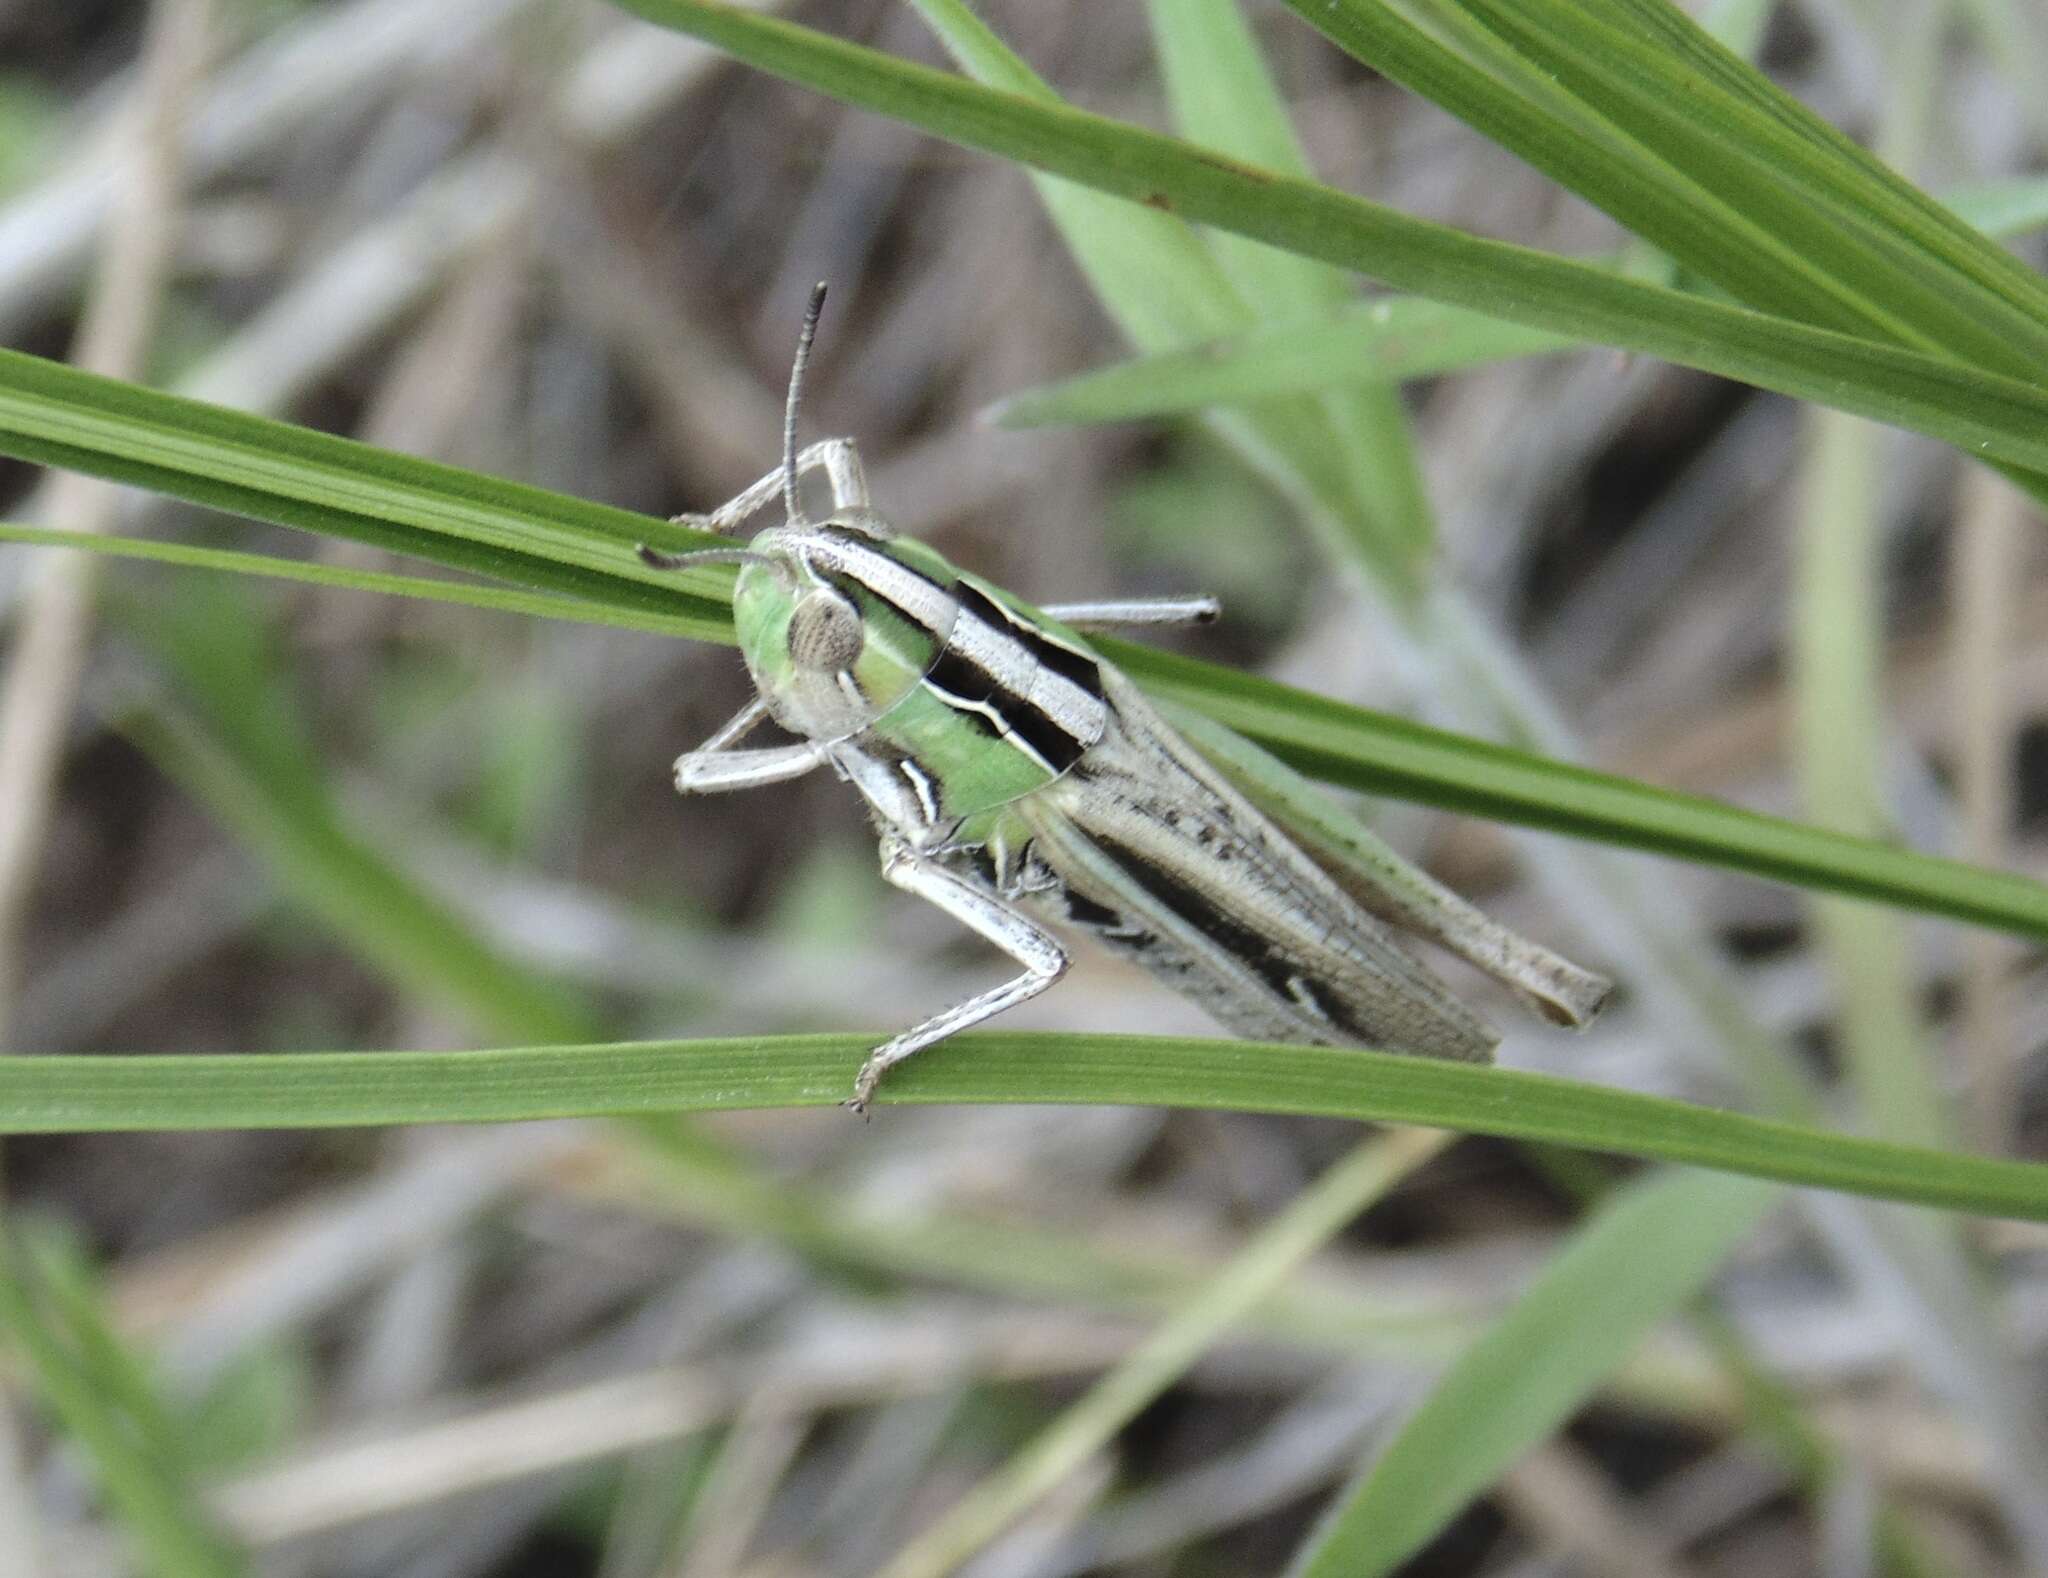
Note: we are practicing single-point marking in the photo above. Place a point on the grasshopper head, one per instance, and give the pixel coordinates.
(838, 623)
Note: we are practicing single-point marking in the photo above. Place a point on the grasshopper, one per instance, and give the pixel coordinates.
(1026, 787)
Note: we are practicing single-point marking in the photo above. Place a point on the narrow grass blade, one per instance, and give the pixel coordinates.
(1088, 1425)
(1224, 98)
(1164, 288)
(62, 1093)
(2006, 208)
(1384, 755)
(1786, 143)
(273, 471)
(245, 754)
(1837, 661)
(73, 1370)
(1645, 1252)
(1388, 338)
(1380, 754)
(1890, 261)
(1981, 412)
(306, 572)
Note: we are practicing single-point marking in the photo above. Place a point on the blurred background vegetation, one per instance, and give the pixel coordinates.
(546, 240)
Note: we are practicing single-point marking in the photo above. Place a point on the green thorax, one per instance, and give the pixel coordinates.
(880, 647)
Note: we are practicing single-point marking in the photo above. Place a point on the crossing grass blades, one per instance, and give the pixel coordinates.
(1025, 786)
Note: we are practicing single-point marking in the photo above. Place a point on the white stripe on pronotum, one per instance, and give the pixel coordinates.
(1023, 785)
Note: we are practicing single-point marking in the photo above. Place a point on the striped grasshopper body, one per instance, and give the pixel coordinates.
(1024, 786)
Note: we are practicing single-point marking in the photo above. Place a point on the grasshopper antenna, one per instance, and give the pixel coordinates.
(792, 504)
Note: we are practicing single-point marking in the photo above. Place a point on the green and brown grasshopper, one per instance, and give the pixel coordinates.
(1026, 787)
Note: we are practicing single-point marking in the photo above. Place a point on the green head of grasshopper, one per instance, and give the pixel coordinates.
(827, 653)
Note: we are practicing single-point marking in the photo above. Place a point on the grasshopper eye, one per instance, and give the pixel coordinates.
(824, 632)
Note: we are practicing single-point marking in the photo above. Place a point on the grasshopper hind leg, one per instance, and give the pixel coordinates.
(975, 907)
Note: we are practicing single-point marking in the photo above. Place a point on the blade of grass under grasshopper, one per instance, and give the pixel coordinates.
(59, 1093)
(307, 572)
(1087, 1426)
(274, 471)
(1413, 761)
(1641, 1256)
(1381, 754)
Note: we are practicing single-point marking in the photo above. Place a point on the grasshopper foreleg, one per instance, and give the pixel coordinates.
(715, 765)
(838, 458)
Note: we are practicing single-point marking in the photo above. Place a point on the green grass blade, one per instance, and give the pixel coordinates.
(406, 935)
(1379, 754)
(2006, 208)
(161, 1512)
(1837, 666)
(244, 752)
(464, 594)
(273, 471)
(1800, 150)
(1387, 340)
(1391, 338)
(1469, 69)
(1897, 269)
(1985, 414)
(70, 1094)
(1646, 1251)
(1837, 674)
(1088, 1425)
(1224, 98)
(1164, 288)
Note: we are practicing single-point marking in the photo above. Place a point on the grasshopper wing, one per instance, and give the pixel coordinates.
(1405, 897)
(1159, 857)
